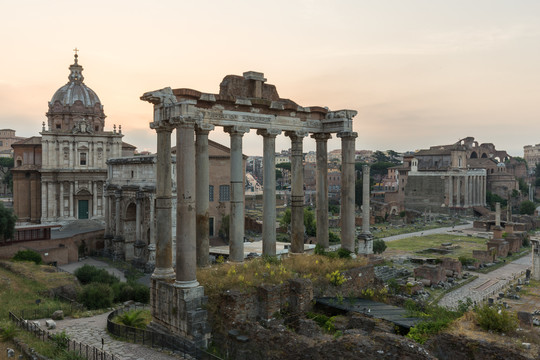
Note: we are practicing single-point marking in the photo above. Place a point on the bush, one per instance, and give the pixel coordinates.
(344, 253)
(319, 250)
(379, 246)
(131, 291)
(8, 332)
(88, 274)
(492, 319)
(466, 261)
(28, 255)
(527, 207)
(60, 340)
(96, 296)
(133, 318)
(526, 242)
(333, 238)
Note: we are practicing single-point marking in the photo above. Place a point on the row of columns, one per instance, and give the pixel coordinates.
(52, 207)
(54, 156)
(193, 203)
(474, 193)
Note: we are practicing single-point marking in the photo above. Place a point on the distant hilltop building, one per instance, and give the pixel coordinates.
(531, 154)
(7, 138)
(60, 176)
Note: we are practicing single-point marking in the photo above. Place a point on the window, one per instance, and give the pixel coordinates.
(1, 143)
(211, 193)
(82, 159)
(58, 126)
(211, 224)
(224, 193)
(97, 128)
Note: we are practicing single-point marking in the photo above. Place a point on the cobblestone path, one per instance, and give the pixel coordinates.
(487, 285)
(91, 330)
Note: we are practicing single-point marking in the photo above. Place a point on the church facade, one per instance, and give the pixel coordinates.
(74, 150)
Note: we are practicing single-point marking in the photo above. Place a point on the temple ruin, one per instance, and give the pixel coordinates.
(243, 103)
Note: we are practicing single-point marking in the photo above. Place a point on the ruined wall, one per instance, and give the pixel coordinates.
(425, 193)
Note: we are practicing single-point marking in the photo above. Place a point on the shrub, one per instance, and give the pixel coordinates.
(60, 340)
(8, 332)
(466, 261)
(336, 278)
(344, 253)
(96, 296)
(526, 242)
(133, 318)
(28, 255)
(333, 238)
(527, 207)
(379, 246)
(319, 250)
(491, 318)
(88, 274)
(131, 291)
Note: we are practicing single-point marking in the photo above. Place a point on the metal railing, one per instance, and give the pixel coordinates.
(155, 339)
(86, 351)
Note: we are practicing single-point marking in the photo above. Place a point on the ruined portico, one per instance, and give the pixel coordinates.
(243, 103)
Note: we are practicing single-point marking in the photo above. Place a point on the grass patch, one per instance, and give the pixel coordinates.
(465, 244)
(385, 229)
(250, 274)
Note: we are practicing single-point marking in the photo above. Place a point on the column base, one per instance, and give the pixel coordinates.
(186, 284)
(365, 244)
(165, 274)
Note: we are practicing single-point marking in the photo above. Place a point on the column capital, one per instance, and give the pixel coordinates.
(236, 130)
(269, 132)
(203, 128)
(139, 195)
(321, 136)
(162, 126)
(296, 134)
(347, 134)
(118, 193)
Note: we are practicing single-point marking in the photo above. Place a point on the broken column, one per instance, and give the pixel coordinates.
(365, 239)
(535, 273)
(321, 184)
(297, 192)
(497, 243)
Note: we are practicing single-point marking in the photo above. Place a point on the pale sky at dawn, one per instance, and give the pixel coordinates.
(419, 72)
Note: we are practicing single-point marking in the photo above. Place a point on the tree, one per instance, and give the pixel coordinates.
(285, 165)
(5, 172)
(7, 223)
(379, 246)
(380, 156)
(527, 208)
(309, 221)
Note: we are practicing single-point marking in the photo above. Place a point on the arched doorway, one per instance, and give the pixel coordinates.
(129, 222)
(474, 155)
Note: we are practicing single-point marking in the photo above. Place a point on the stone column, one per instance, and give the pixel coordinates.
(347, 189)
(94, 200)
(497, 214)
(297, 192)
(118, 211)
(138, 199)
(450, 191)
(45, 154)
(107, 216)
(466, 192)
(71, 198)
(236, 217)
(458, 191)
(484, 187)
(186, 242)
(269, 190)
(61, 200)
(70, 155)
(53, 203)
(366, 236)
(321, 186)
(151, 263)
(44, 201)
(202, 196)
(163, 269)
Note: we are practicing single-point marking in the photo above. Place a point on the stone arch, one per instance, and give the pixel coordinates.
(474, 155)
(130, 215)
(484, 156)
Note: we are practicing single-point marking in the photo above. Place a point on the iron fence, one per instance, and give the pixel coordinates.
(88, 352)
(183, 346)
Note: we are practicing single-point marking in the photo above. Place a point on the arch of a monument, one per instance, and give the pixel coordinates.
(244, 103)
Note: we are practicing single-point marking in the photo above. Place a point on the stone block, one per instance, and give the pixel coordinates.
(434, 273)
(525, 319)
(269, 298)
(58, 315)
(50, 324)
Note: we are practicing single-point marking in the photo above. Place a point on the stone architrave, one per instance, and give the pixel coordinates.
(236, 217)
(202, 193)
(347, 190)
(297, 191)
(269, 190)
(322, 188)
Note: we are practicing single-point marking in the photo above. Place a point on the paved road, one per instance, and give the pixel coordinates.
(488, 285)
(442, 230)
(91, 330)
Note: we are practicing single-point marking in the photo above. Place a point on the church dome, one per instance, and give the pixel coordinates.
(75, 89)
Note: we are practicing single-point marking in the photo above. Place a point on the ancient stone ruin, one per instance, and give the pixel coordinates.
(243, 103)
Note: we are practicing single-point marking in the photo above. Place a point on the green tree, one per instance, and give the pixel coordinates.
(491, 199)
(527, 208)
(380, 156)
(523, 187)
(285, 165)
(379, 246)
(7, 223)
(309, 221)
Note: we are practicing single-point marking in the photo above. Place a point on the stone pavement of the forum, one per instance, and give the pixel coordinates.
(91, 330)
(442, 230)
(488, 285)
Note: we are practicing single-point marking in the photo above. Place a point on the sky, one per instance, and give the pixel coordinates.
(419, 72)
